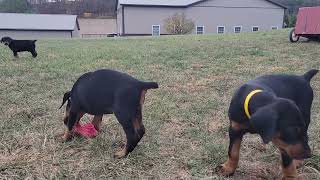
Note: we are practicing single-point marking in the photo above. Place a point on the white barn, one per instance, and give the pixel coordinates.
(38, 26)
(147, 17)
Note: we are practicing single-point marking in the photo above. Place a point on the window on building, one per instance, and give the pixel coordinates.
(255, 28)
(237, 29)
(221, 29)
(155, 30)
(200, 30)
(274, 27)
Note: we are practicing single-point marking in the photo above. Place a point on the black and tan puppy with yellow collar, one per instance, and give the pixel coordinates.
(277, 107)
(108, 92)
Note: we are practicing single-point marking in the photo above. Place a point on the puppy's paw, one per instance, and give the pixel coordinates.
(225, 170)
(67, 137)
(121, 154)
(262, 147)
(58, 137)
(298, 163)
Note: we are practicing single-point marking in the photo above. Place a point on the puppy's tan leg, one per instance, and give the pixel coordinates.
(289, 172)
(96, 121)
(67, 136)
(73, 118)
(298, 163)
(134, 133)
(288, 166)
(133, 127)
(235, 134)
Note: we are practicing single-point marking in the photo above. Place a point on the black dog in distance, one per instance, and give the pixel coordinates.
(20, 46)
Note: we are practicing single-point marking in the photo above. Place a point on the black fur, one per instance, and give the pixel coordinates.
(283, 107)
(106, 92)
(280, 113)
(66, 98)
(20, 46)
(286, 159)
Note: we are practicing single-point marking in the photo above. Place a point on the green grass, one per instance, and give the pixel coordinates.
(186, 119)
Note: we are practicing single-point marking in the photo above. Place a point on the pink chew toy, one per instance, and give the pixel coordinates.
(87, 130)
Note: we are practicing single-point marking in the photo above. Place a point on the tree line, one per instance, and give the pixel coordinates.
(108, 7)
(293, 7)
(78, 7)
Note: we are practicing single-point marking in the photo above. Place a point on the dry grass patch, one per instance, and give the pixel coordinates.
(186, 118)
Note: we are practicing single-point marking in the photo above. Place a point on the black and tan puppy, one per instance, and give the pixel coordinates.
(20, 46)
(277, 107)
(108, 92)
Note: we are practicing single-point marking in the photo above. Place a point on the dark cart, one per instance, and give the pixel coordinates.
(307, 25)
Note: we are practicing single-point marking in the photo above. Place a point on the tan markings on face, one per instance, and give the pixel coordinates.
(96, 121)
(295, 150)
(231, 164)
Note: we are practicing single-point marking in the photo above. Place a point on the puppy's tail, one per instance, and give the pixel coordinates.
(66, 97)
(309, 75)
(150, 85)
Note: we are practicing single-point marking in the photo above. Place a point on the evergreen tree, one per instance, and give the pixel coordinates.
(15, 6)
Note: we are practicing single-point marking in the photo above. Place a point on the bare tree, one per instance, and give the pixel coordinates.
(179, 24)
(15, 6)
(78, 7)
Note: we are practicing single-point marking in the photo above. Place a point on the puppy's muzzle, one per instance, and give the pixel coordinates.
(300, 154)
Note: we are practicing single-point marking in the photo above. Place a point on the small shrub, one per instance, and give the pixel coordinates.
(179, 24)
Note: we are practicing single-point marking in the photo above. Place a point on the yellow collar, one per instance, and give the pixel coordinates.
(246, 102)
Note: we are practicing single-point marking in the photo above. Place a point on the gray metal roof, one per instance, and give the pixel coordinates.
(175, 3)
(158, 2)
(19, 21)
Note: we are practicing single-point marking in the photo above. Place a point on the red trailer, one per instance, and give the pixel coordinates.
(307, 25)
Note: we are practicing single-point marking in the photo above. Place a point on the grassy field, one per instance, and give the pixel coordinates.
(186, 118)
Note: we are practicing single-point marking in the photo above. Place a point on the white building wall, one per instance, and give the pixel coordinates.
(35, 34)
(210, 14)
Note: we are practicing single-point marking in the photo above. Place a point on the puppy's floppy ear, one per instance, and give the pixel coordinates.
(264, 122)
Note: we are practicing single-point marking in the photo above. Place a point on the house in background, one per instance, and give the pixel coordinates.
(97, 27)
(146, 17)
(37, 26)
